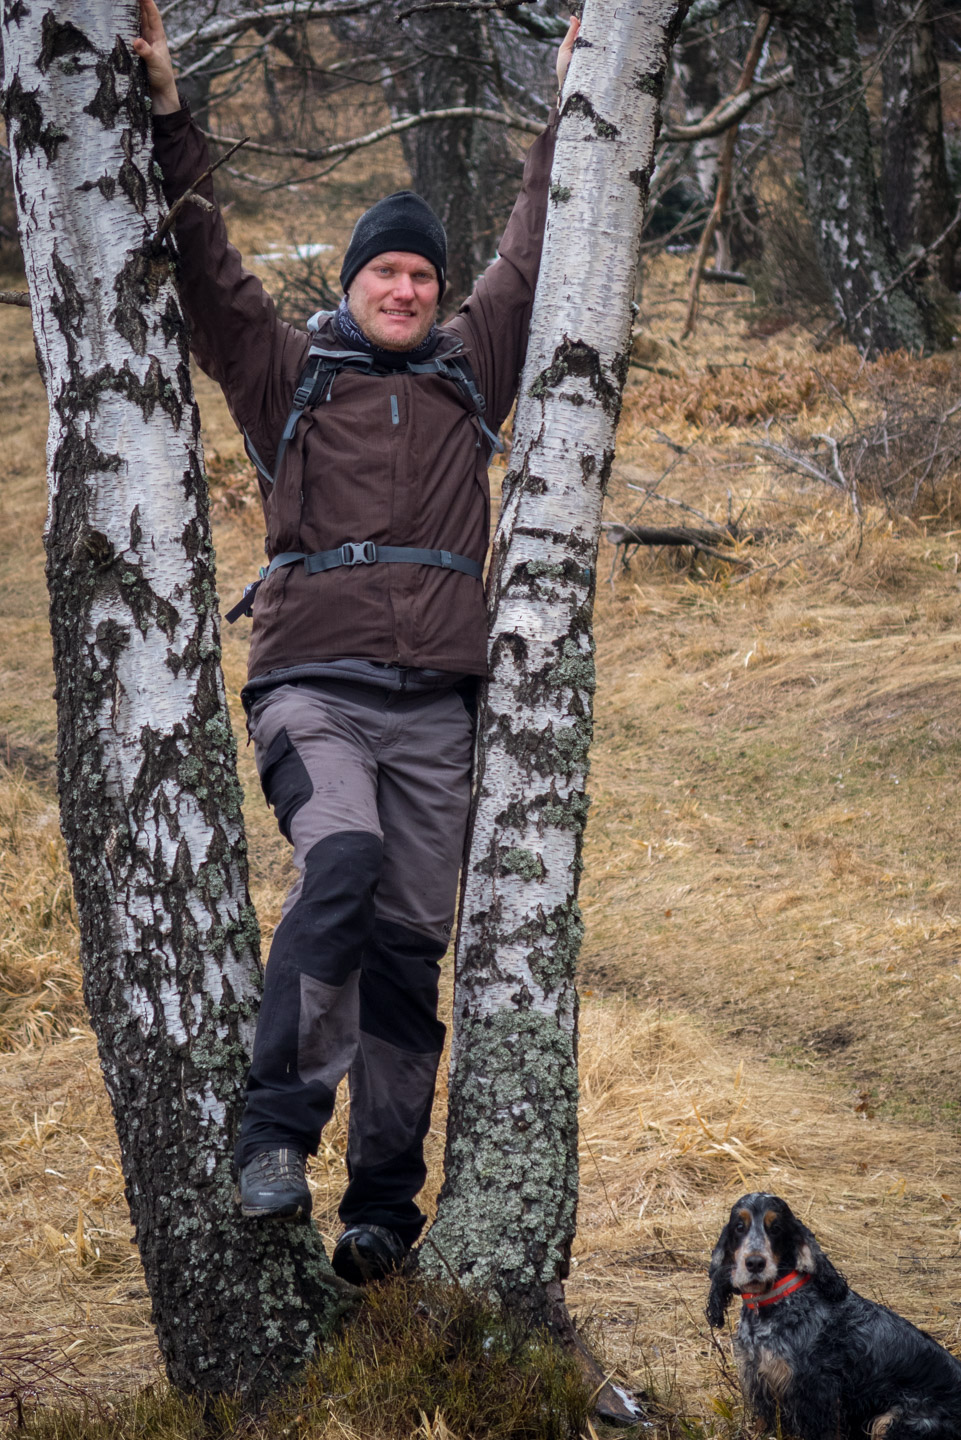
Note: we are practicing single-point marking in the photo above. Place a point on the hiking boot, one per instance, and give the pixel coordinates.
(367, 1252)
(273, 1186)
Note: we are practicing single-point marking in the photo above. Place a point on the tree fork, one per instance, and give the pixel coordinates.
(150, 803)
(506, 1213)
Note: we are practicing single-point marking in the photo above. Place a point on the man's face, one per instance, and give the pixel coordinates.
(394, 299)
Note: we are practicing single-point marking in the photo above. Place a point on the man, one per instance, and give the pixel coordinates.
(370, 435)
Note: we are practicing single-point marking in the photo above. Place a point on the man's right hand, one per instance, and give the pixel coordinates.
(151, 46)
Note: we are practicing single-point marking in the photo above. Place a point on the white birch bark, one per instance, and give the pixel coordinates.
(879, 311)
(150, 803)
(507, 1211)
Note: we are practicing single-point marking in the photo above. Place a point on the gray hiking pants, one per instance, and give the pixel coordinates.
(372, 788)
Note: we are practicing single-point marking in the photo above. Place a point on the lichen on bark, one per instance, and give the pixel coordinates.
(150, 802)
(507, 1210)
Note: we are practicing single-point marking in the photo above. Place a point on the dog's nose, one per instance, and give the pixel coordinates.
(754, 1263)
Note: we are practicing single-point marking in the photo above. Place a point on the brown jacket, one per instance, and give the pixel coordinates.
(412, 472)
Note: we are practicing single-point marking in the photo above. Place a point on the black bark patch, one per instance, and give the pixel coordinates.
(172, 321)
(137, 287)
(98, 549)
(107, 186)
(573, 358)
(59, 39)
(23, 113)
(579, 104)
(77, 455)
(106, 105)
(132, 182)
(640, 179)
(651, 85)
(68, 305)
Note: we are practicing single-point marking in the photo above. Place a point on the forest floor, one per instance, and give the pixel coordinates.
(769, 980)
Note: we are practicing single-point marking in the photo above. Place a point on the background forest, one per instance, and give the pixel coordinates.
(769, 975)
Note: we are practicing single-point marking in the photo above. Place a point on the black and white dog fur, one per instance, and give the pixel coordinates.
(815, 1358)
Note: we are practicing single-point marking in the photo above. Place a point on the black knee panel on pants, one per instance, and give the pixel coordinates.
(398, 989)
(326, 932)
(285, 781)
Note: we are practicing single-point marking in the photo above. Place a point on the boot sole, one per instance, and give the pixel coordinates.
(250, 1212)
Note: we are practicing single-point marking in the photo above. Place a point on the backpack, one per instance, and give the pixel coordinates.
(316, 386)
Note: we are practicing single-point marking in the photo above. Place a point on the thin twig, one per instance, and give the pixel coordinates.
(725, 174)
(395, 127)
(236, 24)
(190, 195)
(504, 5)
(793, 461)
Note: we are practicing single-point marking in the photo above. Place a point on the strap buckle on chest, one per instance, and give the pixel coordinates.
(363, 552)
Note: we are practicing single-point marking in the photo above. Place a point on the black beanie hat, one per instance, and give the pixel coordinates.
(402, 221)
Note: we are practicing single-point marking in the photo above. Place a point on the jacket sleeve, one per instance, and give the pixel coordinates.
(236, 335)
(495, 319)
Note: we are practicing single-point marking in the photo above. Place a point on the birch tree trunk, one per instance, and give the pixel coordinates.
(854, 245)
(507, 1209)
(918, 203)
(150, 803)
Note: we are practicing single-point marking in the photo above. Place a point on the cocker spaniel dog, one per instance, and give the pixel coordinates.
(814, 1357)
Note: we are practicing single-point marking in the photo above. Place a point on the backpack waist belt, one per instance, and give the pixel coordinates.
(363, 552)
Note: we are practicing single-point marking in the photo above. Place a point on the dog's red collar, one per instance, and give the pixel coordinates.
(784, 1287)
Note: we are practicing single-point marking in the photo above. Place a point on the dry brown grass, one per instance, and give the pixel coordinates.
(771, 893)
(39, 975)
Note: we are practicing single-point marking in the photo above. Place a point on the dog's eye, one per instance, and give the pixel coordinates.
(739, 1227)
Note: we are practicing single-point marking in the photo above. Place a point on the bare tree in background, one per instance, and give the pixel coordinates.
(880, 307)
(918, 201)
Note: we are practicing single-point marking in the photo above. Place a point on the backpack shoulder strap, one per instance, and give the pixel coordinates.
(319, 371)
(457, 368)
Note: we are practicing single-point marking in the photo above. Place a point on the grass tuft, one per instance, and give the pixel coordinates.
(419, 1360)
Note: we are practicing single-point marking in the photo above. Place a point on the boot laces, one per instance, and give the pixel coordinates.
(279, 1167)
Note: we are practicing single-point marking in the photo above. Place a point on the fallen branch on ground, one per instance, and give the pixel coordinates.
(704, 541)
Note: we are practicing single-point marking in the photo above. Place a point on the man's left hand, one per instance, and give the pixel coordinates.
(566, 51)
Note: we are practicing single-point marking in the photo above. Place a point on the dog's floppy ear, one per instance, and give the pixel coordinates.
(722, 1290)
(811, 1260)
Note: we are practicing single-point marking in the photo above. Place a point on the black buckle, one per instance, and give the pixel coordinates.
(355, 552)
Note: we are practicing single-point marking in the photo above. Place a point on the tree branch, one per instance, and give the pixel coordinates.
(292, 10)
(395, 127)
(730, 111)
(700, 540)
(504, 5)
(15, 297)
(190, 195)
